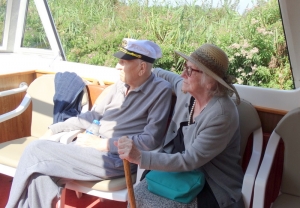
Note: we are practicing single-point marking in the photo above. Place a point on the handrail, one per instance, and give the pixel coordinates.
(22, 87)
(20, 109)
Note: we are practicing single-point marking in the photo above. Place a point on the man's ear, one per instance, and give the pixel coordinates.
(143, 68)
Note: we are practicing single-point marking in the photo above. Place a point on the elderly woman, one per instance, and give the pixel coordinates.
(203, 134)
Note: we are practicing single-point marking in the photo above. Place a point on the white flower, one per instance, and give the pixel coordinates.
(254, 21)
(240, 81)
(254, 50)
(246, 44)
(249, 56)
(240, 69)
(254, 68)
(261, 30)
(244, 52)
(235, 45)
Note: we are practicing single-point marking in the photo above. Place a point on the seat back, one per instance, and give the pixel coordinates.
(249, 123)
(102, 96)
(288, 129)
(42, 91)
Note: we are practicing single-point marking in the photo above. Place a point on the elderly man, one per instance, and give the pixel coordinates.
(136, 106)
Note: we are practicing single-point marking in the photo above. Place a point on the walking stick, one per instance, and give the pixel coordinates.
(129, 183)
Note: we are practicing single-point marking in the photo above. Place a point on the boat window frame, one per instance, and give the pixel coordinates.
(5, 32)
(15, 26)
(292, 35)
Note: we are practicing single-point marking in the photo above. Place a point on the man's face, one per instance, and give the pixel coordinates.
(129, 70)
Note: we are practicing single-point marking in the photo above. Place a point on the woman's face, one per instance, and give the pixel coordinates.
(191, 75)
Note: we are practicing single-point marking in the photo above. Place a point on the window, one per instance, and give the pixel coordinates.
(34, 33)
(253, 37)
(2, 19)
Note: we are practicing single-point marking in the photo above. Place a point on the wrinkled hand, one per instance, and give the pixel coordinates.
(90, 140)
(127, 150)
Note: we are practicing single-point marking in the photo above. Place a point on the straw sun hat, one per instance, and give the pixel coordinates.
(214, 62)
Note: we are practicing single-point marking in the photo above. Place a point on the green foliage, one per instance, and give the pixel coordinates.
(2, 18)
(91, 31)
(34, 35)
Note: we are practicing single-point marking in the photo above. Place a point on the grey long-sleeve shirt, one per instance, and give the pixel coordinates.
(142, 114)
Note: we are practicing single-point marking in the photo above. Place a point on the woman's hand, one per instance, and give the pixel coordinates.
(90, 140)
(127, 150)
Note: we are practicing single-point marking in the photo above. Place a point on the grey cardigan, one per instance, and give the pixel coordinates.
(212, 144)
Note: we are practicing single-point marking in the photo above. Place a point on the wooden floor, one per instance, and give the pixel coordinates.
(72, 201)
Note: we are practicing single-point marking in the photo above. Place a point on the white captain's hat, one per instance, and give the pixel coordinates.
(139, 49)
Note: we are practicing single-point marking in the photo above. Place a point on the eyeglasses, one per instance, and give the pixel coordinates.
(189, 70)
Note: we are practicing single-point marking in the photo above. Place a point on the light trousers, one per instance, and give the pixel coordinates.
(46, 166)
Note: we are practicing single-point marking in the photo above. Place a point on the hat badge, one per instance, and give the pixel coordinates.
(124, 43)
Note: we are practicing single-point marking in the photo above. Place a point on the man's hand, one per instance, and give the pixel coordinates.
(90, 140)
(127, 150)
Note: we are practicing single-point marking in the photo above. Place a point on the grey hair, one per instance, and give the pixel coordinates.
(217, 90)
(149, 66)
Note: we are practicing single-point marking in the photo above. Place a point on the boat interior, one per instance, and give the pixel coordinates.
(270, 118)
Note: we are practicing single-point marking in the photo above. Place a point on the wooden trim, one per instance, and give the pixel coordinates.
(17, 73)
(271, 110)
(13, 81)
(40, 72)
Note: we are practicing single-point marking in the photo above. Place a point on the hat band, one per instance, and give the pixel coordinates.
(209, 63)
(137, 55)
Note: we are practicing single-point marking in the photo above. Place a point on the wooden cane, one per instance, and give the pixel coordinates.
(129, 183)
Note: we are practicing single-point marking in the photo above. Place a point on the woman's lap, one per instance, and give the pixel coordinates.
(146, 199)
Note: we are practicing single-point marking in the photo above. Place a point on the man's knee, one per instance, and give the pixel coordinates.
(35, 146)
